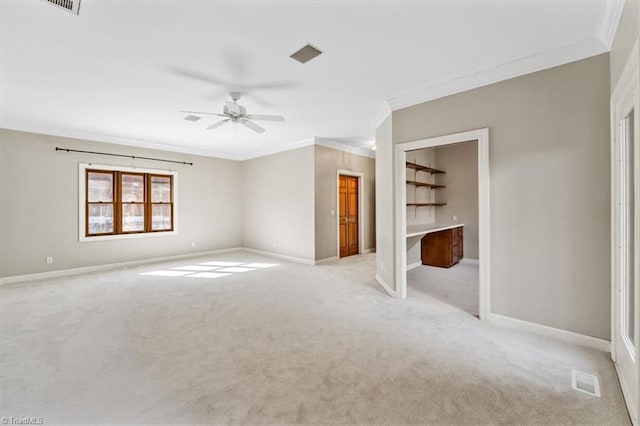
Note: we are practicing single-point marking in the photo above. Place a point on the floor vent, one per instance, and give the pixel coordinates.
(72, 6)
(585, 382)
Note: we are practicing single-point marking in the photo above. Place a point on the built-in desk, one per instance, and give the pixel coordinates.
(427, 228)
(441, 243)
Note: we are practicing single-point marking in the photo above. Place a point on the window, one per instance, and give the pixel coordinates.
(126, 202)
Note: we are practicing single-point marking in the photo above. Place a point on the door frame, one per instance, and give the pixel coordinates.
(625, 96)
(482, 138)
(360, 177)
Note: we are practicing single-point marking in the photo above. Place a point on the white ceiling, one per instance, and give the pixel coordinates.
(118, 71)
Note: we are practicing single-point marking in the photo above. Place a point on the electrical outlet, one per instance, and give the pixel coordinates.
(193, 244)
(454, 218)
(383, 267)
(333, 212)
(274, 244)
(49, 260)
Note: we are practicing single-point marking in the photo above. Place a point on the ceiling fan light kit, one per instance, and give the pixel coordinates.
(234, 113)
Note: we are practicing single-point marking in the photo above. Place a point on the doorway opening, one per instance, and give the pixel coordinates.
(451, 244)
(349, 217)
(442, 224)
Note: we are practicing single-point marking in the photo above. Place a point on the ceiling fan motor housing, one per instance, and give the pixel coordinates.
(234, 109)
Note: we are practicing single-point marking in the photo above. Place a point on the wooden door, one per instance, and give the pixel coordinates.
(348, 210)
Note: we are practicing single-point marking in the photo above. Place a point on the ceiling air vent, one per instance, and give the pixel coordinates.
(72, 6)
(306, 54)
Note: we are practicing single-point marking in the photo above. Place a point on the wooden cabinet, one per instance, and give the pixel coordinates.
(443, 248)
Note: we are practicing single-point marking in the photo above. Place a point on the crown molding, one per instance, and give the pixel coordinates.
(289, 147)
(609, 20)
(383, 112)
(117, 140)
(340, 146)
(506, 71)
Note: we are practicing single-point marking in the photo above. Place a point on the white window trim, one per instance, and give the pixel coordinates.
(82, 202)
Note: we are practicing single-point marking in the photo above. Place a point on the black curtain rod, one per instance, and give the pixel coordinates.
(122, 155)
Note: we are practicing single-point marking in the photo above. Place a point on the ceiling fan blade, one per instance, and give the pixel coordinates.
(271, 85)
(200, 77)
(258, 117)
(259, 100)
(201, 113)
(253, 126)
(217, 95)
(218, 124)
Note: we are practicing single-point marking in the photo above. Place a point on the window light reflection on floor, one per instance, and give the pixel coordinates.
(196, 268)
(222, 269)
(236, 269)
(167, 273)
(221, 263)
(207, 275)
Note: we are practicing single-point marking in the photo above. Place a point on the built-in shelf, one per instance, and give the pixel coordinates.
(425, 184)
(426, 204)
(421, 168)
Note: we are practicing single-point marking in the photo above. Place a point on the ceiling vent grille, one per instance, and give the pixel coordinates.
(306, 54)
(72, 6)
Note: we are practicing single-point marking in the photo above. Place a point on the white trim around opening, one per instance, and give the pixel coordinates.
(482, 137)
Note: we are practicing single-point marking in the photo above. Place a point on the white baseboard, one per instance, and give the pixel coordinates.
(413, 265)
(281, 256)
(369, 250)
(326, 260)
(386, 286)
(556, 333)
(97, 268)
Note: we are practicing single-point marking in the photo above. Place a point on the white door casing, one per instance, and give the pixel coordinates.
(625, 224)
(482, 137)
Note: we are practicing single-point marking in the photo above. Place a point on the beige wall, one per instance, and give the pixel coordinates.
(460, 162)
(385, 220)
(278, 203)
(39, 210)
(626, 36)
(327, 162)
(549, 159)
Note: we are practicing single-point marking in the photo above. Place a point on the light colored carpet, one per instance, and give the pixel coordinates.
(456, 286)
(279, 345)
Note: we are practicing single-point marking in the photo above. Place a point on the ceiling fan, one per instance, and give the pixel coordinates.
(234, 113)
